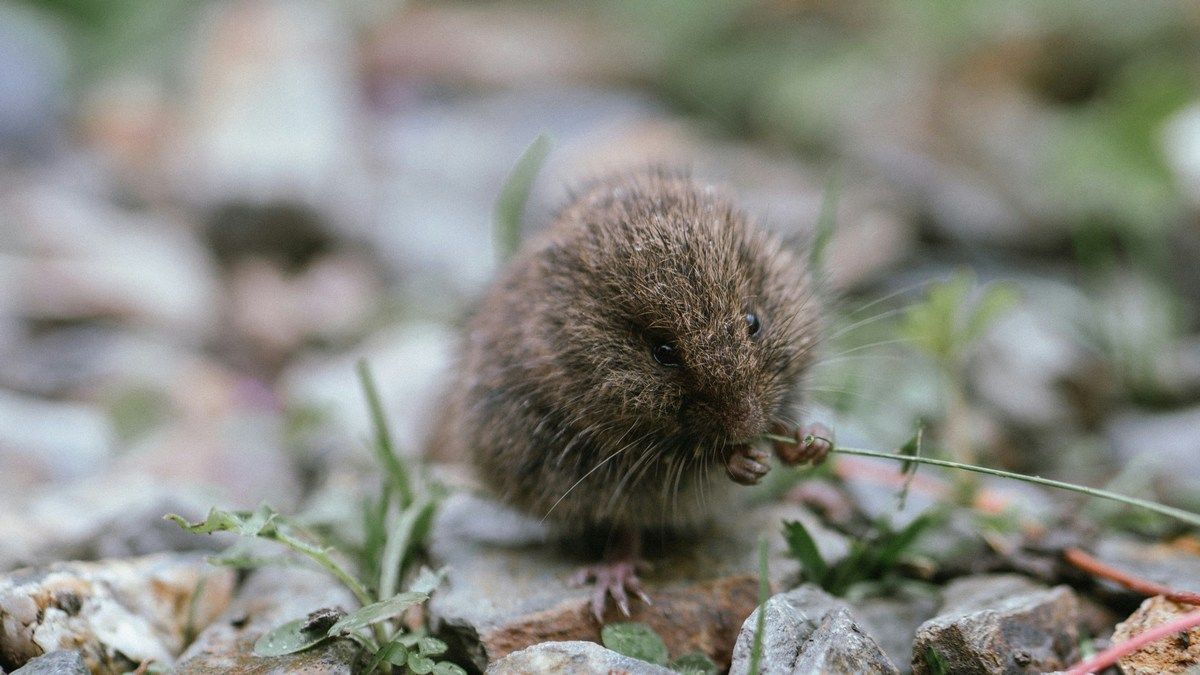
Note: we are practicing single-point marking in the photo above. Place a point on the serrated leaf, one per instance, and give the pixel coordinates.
(890, 550)
(447, 668)
(694, 663)
(376, 612)
(804, 549)
(635, 640)
(289, 638)
(419, 664)
(245, 523)
(429, 646)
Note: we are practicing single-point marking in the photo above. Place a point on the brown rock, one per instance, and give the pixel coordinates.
(1173, 654)
(507, 587)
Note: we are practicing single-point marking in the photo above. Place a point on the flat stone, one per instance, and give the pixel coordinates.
(117, 613)
(1175, 654)
(574, 657)
(270, 598)
(508, 587)
(1001, 624)
(1175, 567)
(806, 630)
(60, 662)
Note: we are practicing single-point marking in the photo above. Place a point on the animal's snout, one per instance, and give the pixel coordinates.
(743, 420)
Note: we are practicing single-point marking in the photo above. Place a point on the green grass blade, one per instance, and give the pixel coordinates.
(510, 204)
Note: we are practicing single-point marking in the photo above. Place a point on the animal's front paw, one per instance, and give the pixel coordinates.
(813, 443)
(746, 465)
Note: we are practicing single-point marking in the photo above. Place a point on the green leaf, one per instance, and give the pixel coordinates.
(936, 662)
(429, 646)
(894, 546)
(510, 204)
(379, 611)
(289, 638)
(245, 523)
(764, 592)
(694, 663)
(419, 664)
(447, 668)
(401, 541)
(804, 549)
(385, 450)
(393, 653)
(636, 640)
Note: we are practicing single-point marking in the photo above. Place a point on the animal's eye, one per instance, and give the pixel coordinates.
(753, 325)
(667, 355)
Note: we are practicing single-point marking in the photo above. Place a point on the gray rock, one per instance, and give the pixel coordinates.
(806, 630)
(1173, 567)
(60, 662)
(33, 89)
(270, 598)
(893, 621)
(1001, 624)
(508, 587)
(1167, 442)
(573, 657)
(118, 613)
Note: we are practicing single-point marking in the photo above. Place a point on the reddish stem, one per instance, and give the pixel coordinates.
(1091, 565)
(1114, 653)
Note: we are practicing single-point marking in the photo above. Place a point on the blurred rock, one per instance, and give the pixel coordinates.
(1167, 443)
(270, 111)
(1176, 654)
(55, 663)
(42, 440)
(119, 613)
(111, 516)
(1000, 624)
(407, 363)
(270, 598)
(1032, 365)
(32, 83)
(1175, 567)
(70, 256)
(508, 588)
(806, 630)
(572, 657)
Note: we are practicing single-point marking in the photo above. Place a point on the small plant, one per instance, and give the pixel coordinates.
(639, 641)
(510, 204)
(394, 528)
(873, 557)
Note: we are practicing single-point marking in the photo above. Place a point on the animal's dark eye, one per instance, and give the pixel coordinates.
(753, 325)
(667, 355)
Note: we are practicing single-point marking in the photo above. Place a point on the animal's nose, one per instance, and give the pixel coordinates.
(743, 420)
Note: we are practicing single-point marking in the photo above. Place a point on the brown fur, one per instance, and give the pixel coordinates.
(555, 394)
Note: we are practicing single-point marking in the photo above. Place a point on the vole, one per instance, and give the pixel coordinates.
(637, 347)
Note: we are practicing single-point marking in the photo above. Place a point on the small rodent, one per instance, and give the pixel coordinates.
(628, 356)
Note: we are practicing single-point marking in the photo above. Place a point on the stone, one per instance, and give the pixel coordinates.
(1175, 566)
(1000, 624)
(270, 598)
(1167, 442)
(893, 621)
(507, 586)
(807, 630)
(1173, 654)
(61, 662)
(572, 657)
(117, 613)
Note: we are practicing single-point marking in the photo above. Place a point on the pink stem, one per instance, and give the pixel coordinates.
(1111, 655)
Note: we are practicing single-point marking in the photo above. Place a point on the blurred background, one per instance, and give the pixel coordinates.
(210, 210)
